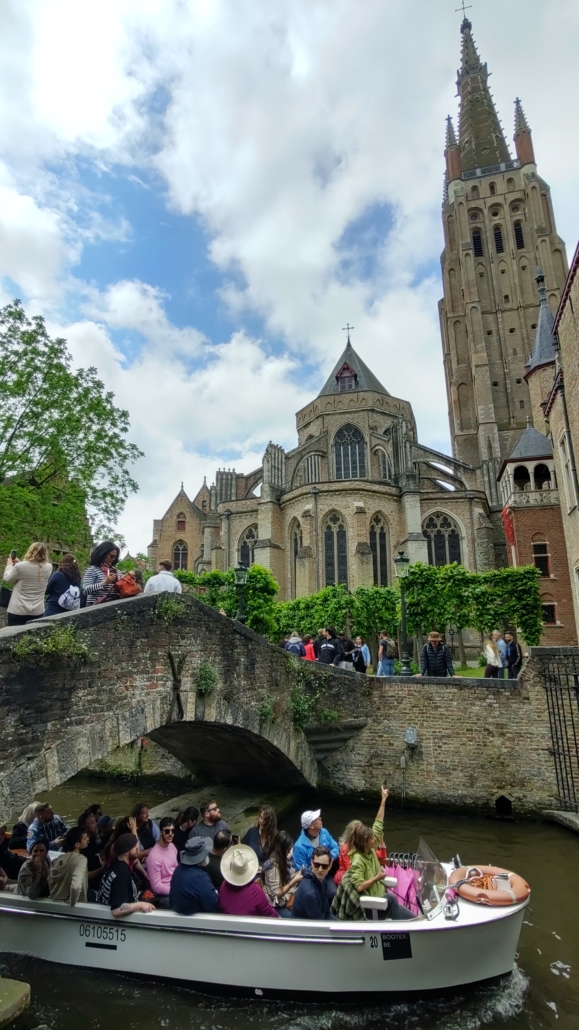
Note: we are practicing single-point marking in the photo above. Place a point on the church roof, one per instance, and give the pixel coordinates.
(543, 352)
(532, 444)
(365, 379)
(481, 137)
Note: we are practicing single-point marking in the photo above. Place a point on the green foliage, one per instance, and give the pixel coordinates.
(329, 715)
(218, 590)
(61, 642)
(426, 603)
(329, 607)
(482, 661)
(302, 707)
(129, 564)
(59, 425)
(54, 513)
(375, 609)
(207, 679)
(414, 667)
(167, 609)
(266, 710)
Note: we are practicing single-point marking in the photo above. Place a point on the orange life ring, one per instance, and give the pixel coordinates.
(518, 891)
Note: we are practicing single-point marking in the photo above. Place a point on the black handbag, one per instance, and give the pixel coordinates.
(5, 595)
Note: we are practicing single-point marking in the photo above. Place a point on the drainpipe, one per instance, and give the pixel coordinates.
(315, 492)
(470, 499)
(570, 445)
(227, 514)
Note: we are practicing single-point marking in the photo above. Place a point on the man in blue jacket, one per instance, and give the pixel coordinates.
(191, 888)
(312, 836)
(313, 899)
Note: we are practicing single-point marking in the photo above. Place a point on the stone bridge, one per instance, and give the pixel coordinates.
(230, 706)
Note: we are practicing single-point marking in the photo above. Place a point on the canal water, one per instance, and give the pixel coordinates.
(543, 991)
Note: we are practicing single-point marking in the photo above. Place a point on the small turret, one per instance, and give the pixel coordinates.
(451, 152)
(523, 139)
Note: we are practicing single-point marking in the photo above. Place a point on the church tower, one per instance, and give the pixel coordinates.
(498, 227)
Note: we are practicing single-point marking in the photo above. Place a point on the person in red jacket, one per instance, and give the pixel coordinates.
(309, 646)
(239, 895)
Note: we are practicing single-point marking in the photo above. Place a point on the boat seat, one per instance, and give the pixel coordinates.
(374, 908)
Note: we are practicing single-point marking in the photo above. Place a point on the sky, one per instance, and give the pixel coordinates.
(200, 194)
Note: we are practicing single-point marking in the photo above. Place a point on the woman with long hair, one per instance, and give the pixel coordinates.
(147, 831)
(366, 873)
(184, 823)
(19, 836)
(30, 578)
(280, 882)
(99, 579)
(66, 576)
(260, 837)
(493, 657)
(346, 845)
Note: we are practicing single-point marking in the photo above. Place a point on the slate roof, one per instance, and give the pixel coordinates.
(366, 379)
(532, 445)
(543, 352)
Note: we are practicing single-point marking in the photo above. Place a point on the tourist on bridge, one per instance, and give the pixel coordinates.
(361, 643)
(163, 861)
(313, 835)
(494, 666)
(118, 887)
(330, 652)
(435, 657)
(294, 646)
(191, 887)
(348, 648)
(220, 845)
(63, 590)
(47, 827)
(184, 823)
(502, 649)
(239, 894)
(318, 641)
(313, 899)
(30, 578)
(163, 580)
(33, 876)
(98, 582)
(310, 649)
(261, 837)
(68, 877)
(387, 652)
(211, 821)
(514, 656)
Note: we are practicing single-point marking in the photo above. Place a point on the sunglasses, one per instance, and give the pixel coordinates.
(169, 829)
(321, 865)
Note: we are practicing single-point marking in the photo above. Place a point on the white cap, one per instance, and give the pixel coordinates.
(310, 817)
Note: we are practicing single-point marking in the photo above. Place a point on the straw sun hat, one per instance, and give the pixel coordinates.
(239, 865)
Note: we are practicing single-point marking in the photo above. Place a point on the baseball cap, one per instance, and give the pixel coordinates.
(310, 817)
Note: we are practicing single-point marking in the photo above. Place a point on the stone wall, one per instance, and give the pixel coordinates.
(477, 739)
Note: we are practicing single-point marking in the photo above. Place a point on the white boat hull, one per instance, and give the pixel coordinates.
(265, 957)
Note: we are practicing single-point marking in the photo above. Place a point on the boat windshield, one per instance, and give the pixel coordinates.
(430, 880)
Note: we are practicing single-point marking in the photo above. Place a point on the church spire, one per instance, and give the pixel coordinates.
(522, 137)
(544, 352)
(451, 152)
(482, 142)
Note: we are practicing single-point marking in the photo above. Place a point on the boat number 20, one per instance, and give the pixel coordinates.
(373, 942)
(97, 932)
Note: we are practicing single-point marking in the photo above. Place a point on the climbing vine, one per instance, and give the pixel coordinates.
(61, 642)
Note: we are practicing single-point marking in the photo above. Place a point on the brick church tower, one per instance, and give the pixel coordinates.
(498, 226)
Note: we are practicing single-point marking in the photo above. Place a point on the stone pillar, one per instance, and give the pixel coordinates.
(415, 543)
(306, 556)
(362, 571)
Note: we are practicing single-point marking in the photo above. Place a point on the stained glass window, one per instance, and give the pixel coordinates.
(296, 544)
(246, 546)
(378, 548)
(335, 552)
(350, 453)
(443, 537)
(180, 550)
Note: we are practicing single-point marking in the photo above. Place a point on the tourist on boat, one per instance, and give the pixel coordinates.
(279, 879)
(191, 888)
(435, 657)
(20, 830)
(11, 863)
(63, 588)
(33, 876)
(88, 822)
(239, 894)
(261, 837)
(312, 836)
(68, 877)
(47, 827)
(366, 873)
(346, 845)
(211, 821)
(313, 899)
(330, 652)
(98, 582)
(30, 577)
(220, 845)
(494, 666)
(163, 861)
(184, 823)
(119, 888)
(96, 809)
(147, 831)
(105, 830)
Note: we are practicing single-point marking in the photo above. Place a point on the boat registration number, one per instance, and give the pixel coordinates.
(105, 938)
(394, 945)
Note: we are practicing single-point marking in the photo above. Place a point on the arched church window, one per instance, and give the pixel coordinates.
(477, 243)
(350, 453)
(247, 544)
(296, 541)
(335, 551)
(180, 551)
(499, 243)
(379, 551)
(492, 189)
(309, 471)
(385, 465)
(443, 538)
(519, 238)
(181, 522)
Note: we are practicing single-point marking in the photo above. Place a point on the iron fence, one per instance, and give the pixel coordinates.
(561, 682)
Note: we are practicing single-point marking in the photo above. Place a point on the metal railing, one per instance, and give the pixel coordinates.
(561, 682)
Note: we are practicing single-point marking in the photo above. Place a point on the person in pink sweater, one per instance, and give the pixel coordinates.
(162, 862)
(239, 895)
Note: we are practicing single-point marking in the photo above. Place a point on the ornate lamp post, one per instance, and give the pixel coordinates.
(402, 563)
(240, 583)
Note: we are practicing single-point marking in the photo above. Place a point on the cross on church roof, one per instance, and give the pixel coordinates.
(348, 329)
(464, 7)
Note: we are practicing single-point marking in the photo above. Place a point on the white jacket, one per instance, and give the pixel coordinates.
(30, 580)
(163, 580)
(492, 658)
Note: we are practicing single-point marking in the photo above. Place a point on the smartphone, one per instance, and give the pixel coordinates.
(13, 554)
(235, 838)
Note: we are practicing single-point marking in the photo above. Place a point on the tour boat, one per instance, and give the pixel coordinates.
(272, 958)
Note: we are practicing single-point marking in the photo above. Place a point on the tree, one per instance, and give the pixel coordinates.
(54, 513)
(375, 609)
(218, 590)
(58, 425)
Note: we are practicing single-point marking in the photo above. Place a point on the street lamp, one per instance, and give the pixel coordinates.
(401, 564)
(240, 574)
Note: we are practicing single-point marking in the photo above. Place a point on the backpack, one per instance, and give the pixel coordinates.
(70, 600)
(296, 648)
(389, 649)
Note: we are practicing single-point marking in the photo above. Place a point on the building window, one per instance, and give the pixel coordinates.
(180, 555)
(246, 546)
(521, 404)
(498, 234)
(566, 466)
(549, 613)
(522, 478)
(204, 505)
(309, 470)
(477, 243)
(378, 548)
(335, 552)
(510, 184)
(493, 189)
(519, 238)
(347, 378)
(385, 465)
(541, 557)
(181, 522)
(350, 453)
(296, 546)
(443, 537)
